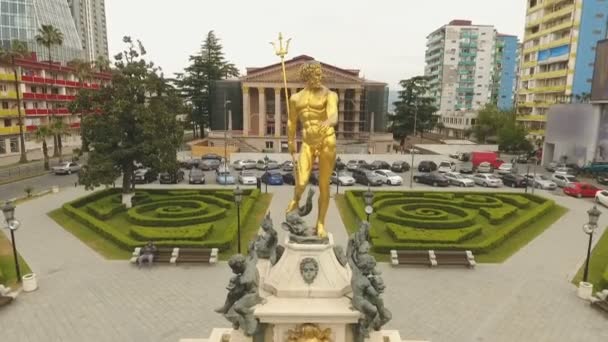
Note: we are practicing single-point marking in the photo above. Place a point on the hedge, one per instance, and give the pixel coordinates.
(603, 282)
(104, 212)
(515, 200)
(197, 233)
(136, 215)
(181, 209)
(497, 215)
(408, 234)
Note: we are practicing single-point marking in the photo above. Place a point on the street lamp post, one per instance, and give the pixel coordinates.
(368, 197)
(13, 224)
(238, 198)
(589, 228)
(266, 172)
(412, 148)
(338, 160)
(226, 104)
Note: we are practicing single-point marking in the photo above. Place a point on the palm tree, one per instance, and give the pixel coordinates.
(42, 133)
(59, 128)
(101, 63)
(49, 35)
(83, 69)
(18, 49)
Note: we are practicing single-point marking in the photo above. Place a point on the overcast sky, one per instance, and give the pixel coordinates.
(385, 39)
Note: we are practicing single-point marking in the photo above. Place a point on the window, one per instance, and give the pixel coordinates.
(4, 105)
(7, 123)
(269, 144)
(2, 145)
(14, 145)
(33, 89)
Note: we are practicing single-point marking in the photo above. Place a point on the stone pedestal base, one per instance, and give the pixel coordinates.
(585, 290)
(126, 200)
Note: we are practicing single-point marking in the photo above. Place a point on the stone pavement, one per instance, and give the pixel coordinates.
(83, 297)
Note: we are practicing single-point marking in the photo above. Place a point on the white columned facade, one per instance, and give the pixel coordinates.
(357, 109)
(246, 110)
(262, 112)
(277, 112)
(341, 97)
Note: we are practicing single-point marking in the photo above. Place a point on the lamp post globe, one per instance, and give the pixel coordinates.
(13, 224)
(238, 199)
(368, 198)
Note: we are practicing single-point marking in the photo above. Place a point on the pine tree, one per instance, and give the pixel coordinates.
(196, 83)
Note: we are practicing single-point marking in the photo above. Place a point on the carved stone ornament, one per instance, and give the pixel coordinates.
(309, 332)
(309, 268)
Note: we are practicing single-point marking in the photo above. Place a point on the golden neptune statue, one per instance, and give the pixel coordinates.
(316, 108)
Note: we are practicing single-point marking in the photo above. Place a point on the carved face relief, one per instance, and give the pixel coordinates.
(309, 268)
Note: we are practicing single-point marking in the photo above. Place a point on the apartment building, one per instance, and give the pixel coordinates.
(558, 55)
(469, 66)
(45, 92)
(90, 20)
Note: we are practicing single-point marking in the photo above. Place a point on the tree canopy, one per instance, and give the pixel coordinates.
(499, 126)
(414, 108)
(196, 82)
(130, 121)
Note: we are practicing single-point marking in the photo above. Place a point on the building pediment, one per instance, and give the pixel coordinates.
(273, 73)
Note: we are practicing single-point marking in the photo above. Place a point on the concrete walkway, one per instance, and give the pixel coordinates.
(83, 297)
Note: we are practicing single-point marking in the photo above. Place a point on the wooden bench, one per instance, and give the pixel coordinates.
(195, 255)
(433, 258)
(412, 258)
(454, 258)
(600, 301)
(162, 255)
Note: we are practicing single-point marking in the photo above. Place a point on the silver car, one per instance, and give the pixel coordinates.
(485, 167)
(563, 180)
(344, 177)
(66, 168)
(457, 179)
(487, 180)
(246, 164)
(541, 182)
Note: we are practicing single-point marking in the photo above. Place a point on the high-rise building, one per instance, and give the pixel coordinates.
(468, 67)
(90, 19)
(21, 19)
(558, 56)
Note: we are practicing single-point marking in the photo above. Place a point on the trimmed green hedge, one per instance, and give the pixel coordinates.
(465, 219)
(408, 234)
(603, 284)
(181, 209)
(137, 215)
(155, 234)
(497, 215)
(514, 200)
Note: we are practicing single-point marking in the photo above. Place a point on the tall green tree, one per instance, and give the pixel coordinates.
(83, 70)
(196, 82)
(49, 36)
(414, 108)
(42, 133)
(101, 64)
(132, 120)
(17, 49)
(489, 120)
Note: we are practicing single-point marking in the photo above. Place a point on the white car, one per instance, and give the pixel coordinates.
(484, 167)
(389, 177)
(563, 170)
(563, 180)
(66, 168)
(446, 166)
(601, 197)
(505, 168)
(487, 180)
(457, 179)
(541, 182)
(248, 178)
(344, 177)
(244, 164)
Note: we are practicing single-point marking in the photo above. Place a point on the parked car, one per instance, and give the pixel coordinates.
(196, 176)
(190, 163)
(457, 179)
(144, 176)
(579, 189)
(595, 167)
(339, 165)
(485, 167)
(272, 177)
(563, 180)
(400, 166)
(212, 156)
(412, 150)
(522, 159)
(366, 177)
(171, 177)
(389, 177)
(541, 182)
(344, 177)
(210, 164)
(465, 157)
(272, 165)
(379, 165)
(454, 155)
(601, 197)
(446, 166)
(224, 177)
(355, 164)
(514, 180)
(427, 166)
(431, 178)
(551, 166)
(466, 168)
(487, 180)
(287, 166)
(246, 164)
(248, 178)
(288, 178)
(602, 178)
(505, 168)
(66, 168)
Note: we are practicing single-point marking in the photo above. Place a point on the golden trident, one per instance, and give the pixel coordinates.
(282, 51)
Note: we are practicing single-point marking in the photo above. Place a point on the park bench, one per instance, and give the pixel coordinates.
(412, 258)
(432, 258)
(162, 255)
(454, 258)
(600, 301)
(195, 255)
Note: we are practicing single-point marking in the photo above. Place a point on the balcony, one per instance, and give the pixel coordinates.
(466, 63)
(535, 104)
(529, 64)
(73, 84)
(48, 97)
(9, 130)
(549, 30)
(536, 118)
(8, 112)
(547, 89)
(7, 77)
(46, 111)
(8, 95)
(548, 74)
(558, 42)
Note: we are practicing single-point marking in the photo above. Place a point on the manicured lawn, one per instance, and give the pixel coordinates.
(203, 218)
(598, 265)
(8, 276)
(492, 225)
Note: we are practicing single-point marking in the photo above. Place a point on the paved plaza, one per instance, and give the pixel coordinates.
(83, 297)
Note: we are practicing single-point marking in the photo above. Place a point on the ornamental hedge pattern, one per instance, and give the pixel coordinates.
(476, 221)
(170, 218)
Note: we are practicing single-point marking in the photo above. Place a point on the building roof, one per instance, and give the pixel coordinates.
(297, 59)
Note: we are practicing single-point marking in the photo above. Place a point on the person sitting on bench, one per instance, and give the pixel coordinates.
(147, 254)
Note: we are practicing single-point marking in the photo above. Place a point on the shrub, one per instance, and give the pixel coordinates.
(197, 233)
(181, 209)
(515, 200)
(497, 215)
(408, 234)
(28, 190)
(137, 215)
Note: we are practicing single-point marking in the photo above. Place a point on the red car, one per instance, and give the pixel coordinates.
(581, 190)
